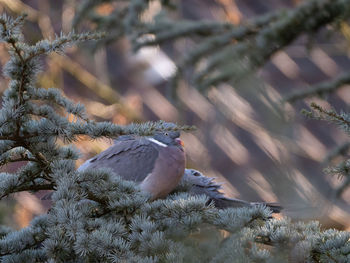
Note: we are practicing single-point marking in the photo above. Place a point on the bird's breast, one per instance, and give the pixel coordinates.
(167, 172)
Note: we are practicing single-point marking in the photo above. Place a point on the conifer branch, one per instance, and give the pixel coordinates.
(319, 89)
(97, 216)
(342, 119)
(228, 53)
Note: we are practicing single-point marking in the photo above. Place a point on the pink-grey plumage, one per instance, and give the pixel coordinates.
(157, 162)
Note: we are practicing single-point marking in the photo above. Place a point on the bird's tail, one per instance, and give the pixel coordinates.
(204, 185)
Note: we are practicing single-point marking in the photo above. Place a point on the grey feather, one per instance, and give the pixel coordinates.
(157, 162)
(200, 184)
(117, 157)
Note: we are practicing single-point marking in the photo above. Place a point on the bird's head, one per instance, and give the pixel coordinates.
(171, 138)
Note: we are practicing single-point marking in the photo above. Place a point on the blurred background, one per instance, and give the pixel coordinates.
(261, 149)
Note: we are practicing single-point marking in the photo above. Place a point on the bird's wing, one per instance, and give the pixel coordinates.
(132, 159)
(201, 184)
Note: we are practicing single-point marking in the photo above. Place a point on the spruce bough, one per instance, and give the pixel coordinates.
(98, 217)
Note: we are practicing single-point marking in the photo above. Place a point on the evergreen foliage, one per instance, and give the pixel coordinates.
(225, 53)
(221, 52)
(98, 217)
(342, 120)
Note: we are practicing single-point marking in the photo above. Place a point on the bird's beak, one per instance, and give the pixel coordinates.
(180, 142)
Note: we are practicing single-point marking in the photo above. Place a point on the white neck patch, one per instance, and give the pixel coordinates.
(157, 142)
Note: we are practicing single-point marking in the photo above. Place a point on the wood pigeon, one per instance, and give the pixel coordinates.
(158, 164)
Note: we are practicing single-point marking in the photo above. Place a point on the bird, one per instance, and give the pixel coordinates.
(200, 184)
(157, 163)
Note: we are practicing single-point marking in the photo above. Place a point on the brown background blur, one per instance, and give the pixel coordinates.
(261, 153)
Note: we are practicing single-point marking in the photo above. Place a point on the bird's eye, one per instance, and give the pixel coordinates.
(166, 134)
(196, 174)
